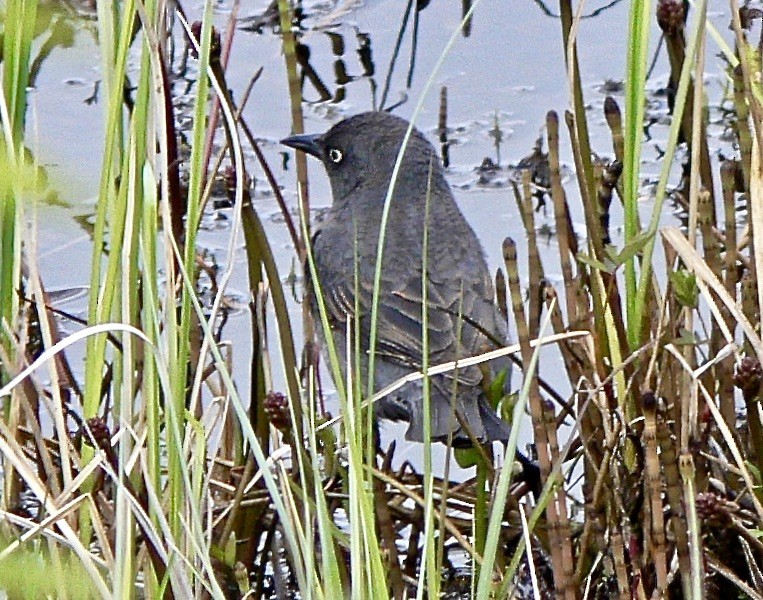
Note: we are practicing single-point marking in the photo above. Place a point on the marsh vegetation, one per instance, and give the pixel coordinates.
(160, 464)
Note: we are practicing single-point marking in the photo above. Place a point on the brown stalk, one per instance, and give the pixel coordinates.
(749, 61)
(712, 255)
(687, 472)
(413, 554)
(534, 263)
(607, 176)
(674, 494)
(565, 235)
(671, 380)
(621, 570)
(297, 118)
(177, 200)
(587, 192)
(563, 531)
(742, 112)
(654, 528)
(557, 505)
(595, 523)
(729, 171)
(749, 73)
(706, 222)
(500, 294)
(749, 293)
(575, 363)
(387, 532)
(726, 401)
(676, 46)
(579, 125)
(442, 127)
(614, 120)
(596, 249)
(615, 123)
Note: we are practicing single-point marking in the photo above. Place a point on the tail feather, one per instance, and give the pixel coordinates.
(495, 428)
(475, 412)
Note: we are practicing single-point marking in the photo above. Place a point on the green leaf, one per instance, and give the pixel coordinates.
(496, 388)
(754, 470)
(466, 457)
(506, 408)
(631, 249)
(594, 263)
(685, 287)
(686, 338)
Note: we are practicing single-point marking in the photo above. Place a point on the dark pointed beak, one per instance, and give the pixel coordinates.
(307, 143)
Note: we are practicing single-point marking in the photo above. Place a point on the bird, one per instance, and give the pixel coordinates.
(359, 155)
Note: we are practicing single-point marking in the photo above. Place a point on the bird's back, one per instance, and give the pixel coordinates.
(462, 319)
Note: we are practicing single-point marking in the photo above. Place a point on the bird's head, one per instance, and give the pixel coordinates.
(361, 151)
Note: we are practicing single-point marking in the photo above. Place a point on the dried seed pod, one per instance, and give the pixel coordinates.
(215, 45)
(276, 408)
(748, 375)
(711, 507)
(671, 16)
(101, 435)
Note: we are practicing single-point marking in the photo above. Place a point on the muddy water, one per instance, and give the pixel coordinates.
(506, 71)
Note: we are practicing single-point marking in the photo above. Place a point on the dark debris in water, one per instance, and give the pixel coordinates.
(491, 175)
(611, 86)
(537, 163)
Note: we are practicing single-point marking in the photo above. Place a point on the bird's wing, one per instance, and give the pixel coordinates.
(399, 322)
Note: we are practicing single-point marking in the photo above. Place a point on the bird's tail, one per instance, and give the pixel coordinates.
(495, 429)
(472, 417)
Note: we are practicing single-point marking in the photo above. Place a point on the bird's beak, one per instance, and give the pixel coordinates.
(304, 142)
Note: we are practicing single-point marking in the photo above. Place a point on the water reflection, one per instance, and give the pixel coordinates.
(56, 27)
(420, 6)
(543, 6)
(29, 178)
(341, 73)
(271, 19)
(314, 82)
(319, 86)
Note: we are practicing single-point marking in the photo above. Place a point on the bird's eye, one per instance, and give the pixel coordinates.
(335, 155)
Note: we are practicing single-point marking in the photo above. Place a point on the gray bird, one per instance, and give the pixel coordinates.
(359, 155)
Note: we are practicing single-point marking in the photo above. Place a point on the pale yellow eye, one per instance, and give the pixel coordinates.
(335, 155)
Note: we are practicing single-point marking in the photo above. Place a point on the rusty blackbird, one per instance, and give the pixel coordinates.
(359, 154)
